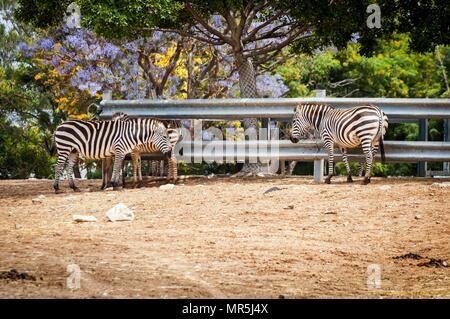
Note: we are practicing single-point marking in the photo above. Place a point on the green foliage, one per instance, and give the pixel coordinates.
(206, 168)
(393, 70)
(22, 152)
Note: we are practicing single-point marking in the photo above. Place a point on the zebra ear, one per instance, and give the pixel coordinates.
(296, 108)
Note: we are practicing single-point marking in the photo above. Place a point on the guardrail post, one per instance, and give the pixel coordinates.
(423, 136)
(446, 165)
(319, 164)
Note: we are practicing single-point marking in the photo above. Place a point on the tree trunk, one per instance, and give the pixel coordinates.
(247, 85)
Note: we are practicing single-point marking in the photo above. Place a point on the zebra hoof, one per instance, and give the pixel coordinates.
(366, 181)
(327, 181)
(349, 179)
(58, 191)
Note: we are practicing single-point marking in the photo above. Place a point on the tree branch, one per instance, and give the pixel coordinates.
(172, 64)
(253, 33)
(276, 47)
(205, 24)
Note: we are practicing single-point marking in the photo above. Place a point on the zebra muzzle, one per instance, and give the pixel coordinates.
(294, 139)
(168, 154)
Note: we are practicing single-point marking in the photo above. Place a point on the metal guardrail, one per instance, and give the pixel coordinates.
(396, 109)
(269, 108)
(233, 151)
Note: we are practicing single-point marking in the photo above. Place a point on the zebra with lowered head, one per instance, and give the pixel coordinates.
(103, 139)
(174, 134)
(363, 126)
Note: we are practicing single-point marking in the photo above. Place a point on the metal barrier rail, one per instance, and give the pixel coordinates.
(282, 108)
(231, 151)
(269, 108)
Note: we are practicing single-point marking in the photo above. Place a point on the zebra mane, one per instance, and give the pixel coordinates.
(301, 105)
(120, 116)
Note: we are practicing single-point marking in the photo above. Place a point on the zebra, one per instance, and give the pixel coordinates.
(362, 126)
(103, 139)
(173, 132)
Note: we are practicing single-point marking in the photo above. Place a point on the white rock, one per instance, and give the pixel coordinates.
(84, 218)
(260, 174)
(36, 200)
(167, 186)
(385, 187)
(441, 185)
(211, 176)
(120, 212)
(19, 226)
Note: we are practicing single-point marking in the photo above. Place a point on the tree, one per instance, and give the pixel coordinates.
(255, 32)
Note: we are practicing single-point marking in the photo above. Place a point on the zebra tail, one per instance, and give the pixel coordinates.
(383, 155)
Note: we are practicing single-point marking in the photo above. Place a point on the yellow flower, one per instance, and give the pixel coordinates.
(38, 76)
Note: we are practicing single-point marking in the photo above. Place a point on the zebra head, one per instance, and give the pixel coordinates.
(160, 138)
(300, 125)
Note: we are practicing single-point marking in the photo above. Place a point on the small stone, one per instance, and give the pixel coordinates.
(19, 226)
(290, 206)
(110, 195)
(385, 187)
(346, 224)
(37, 200)
(120, 212)
(417, 217)
(83, 218)
(167, 186)
(441, 185)
(260, 174)
(212, 175)
(272, 189)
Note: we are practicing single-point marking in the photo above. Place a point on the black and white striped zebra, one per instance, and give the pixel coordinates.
(174, 134)
(103, 139)
(362, 126)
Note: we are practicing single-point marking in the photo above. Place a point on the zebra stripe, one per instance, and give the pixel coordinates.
(103, 139)
(362, 126)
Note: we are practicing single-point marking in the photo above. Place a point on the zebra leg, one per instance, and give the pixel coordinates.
(123, 172)
(62, 158)
(330, 148)
(118, 161)
(347, 166)
(367, 149)
(291, 167)
(173, 169)
(161, 168)
(106, 164)
(139, 171)
(73, 158)
(360, 169)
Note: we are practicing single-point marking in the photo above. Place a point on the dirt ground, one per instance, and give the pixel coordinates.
(223, 237)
